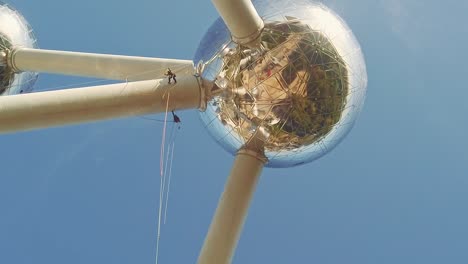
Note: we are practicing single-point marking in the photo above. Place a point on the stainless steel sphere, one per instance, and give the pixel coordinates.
(301, 88)
(14, 32)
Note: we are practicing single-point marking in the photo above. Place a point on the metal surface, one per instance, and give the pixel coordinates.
(302, 88)
(14, 31)
(79, 105)
(243, 21)
(106, 66)
(226, 227)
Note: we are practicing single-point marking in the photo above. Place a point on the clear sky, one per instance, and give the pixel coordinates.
(394, 191)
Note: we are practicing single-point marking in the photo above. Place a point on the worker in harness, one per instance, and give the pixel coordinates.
(176, 118)
(170, 75)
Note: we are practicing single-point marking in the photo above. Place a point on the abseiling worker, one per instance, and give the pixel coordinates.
(176, 118)
(170, 75)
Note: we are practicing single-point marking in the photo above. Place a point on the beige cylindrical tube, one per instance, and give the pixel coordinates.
(241, 18)
(113, 67)
(227, 223)
(79, 105)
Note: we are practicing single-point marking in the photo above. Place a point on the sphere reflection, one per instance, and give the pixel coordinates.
(301, 88)
(14, 32)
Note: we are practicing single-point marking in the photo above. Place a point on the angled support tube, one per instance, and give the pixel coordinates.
(242, 20)
(79, 105)
(113, 67)
(226, 226)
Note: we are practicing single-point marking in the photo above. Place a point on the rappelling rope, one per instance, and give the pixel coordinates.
(163, 142)
(171, 136)
(166, 159)
(156, 120)
(161, 187)
(174, 136)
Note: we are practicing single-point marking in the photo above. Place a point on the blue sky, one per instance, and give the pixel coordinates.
(394, 191)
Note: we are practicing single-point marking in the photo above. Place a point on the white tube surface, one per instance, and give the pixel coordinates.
(241, 18)
(71, 106)
(114, 67)
(226, 226)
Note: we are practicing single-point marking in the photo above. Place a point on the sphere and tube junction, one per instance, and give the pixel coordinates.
(15, 31)
(302, 87)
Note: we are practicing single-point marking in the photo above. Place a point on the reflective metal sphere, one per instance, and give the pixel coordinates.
(301, 88)
(14, 31)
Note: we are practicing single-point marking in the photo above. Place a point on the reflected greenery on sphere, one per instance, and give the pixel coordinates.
(6, 73)
(300, 87)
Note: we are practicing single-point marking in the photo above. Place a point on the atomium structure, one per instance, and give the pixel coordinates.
(301, 86)
(278, 84)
